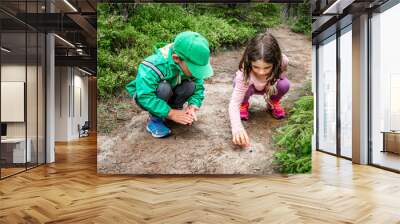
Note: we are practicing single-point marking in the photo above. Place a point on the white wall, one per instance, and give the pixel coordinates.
(81, 81)
(12, 73)
(33, 126)
(62, 81)
(70, 83)
(17, 72)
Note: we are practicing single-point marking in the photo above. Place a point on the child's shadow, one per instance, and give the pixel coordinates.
(258, 117)
(187, 132)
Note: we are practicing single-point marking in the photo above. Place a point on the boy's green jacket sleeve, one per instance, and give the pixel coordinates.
(198, 95)
(148, 81)
(131, 87)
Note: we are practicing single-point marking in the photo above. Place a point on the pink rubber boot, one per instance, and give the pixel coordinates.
(277, 111)
(244, 111)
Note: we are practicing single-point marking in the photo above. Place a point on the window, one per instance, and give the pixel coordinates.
(385, 88)
(346, 95)
(327, 95)
(22, 88)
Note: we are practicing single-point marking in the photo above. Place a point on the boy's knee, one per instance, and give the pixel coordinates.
(186, 89)
(164, 91)
(283, 85)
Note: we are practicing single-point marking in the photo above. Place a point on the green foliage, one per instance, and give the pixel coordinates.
(257, 16)
(290, 163)
(299, 17)
(302, 25)
(294, 139)
(126, 34)
(307, 89)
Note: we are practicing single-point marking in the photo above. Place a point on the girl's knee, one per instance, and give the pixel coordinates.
(250, 91)
(283, 85)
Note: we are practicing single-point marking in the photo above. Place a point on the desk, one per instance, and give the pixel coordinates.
(391, 141)
(16, 148)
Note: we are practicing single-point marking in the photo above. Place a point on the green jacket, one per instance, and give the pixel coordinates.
(147, 81)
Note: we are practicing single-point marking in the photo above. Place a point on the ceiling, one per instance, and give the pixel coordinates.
(74, 22)
(327, 13)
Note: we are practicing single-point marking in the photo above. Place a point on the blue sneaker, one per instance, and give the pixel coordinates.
(157, 128)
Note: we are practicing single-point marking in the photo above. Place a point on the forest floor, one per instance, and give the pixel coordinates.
(206, 147)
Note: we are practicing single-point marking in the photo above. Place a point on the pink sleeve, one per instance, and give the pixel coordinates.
(284, 65)
(238, 93)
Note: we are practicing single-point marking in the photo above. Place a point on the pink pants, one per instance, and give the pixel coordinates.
(282, 86)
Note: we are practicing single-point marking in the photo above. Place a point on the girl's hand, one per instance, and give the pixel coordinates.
(241, 138)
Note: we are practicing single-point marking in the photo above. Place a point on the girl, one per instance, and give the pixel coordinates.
(262, 71)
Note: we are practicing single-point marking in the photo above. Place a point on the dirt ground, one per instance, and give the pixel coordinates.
(206, 146)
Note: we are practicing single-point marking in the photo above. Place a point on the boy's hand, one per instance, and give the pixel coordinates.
(180, 116)
(241, 138)
(191, 110)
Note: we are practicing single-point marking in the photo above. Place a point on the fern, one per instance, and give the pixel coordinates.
(294, 138)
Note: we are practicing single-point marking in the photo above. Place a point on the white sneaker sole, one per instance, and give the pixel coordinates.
(155, 135)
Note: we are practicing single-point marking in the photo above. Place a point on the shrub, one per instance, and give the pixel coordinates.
(302, 25)
(294, 138)
(123, 41)
(300, 17)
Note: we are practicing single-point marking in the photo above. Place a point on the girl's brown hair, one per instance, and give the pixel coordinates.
(263, 46)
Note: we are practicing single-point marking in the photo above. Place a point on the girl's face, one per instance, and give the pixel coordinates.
(261, 69)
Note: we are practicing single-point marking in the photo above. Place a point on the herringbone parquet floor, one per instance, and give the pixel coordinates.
(70, 191)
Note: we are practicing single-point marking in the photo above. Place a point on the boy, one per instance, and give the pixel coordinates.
(169, 78)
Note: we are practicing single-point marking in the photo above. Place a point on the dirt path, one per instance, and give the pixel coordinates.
(206, 147)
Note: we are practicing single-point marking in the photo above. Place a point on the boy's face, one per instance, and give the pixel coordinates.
(182, 65)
